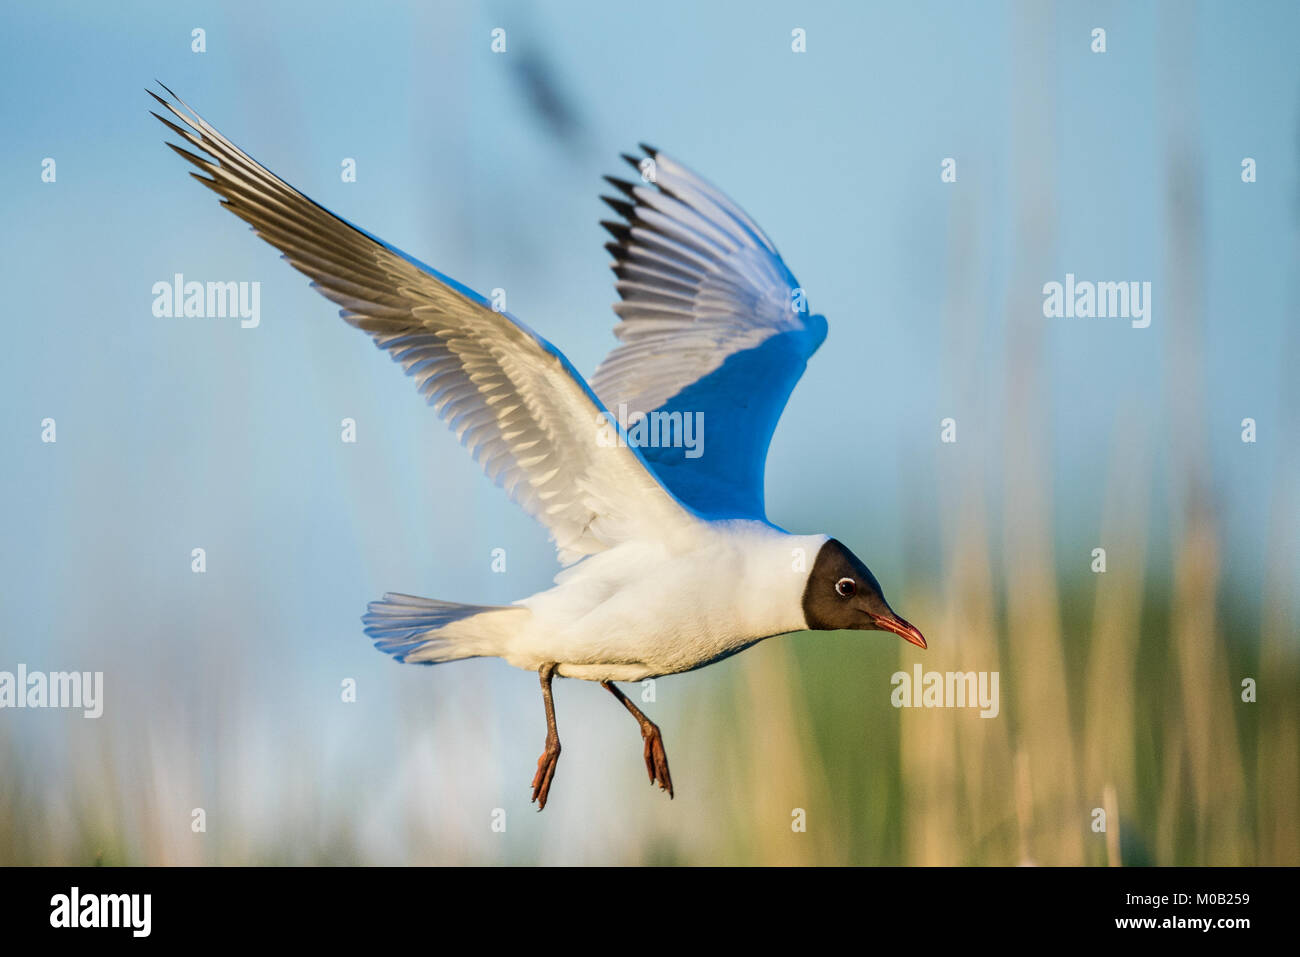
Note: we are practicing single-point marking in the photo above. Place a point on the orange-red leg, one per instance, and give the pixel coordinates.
(656, 760)
(551, 756)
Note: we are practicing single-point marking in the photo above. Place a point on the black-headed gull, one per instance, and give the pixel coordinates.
(673, 564)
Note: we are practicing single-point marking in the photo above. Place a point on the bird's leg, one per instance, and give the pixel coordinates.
(656, 761)
(551, 756)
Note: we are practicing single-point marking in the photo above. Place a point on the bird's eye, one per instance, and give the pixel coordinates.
(846, 587)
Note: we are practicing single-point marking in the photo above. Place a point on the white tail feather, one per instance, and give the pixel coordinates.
(427, 631)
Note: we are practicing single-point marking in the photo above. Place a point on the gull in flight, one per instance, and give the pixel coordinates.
(670, 561)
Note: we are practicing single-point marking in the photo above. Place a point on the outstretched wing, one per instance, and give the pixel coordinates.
(511, 398)
(715, 333)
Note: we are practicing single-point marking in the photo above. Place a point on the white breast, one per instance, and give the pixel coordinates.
(641, 610)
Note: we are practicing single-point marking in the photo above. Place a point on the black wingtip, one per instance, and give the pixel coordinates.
(620, 231)
(626, 210)
(622, 185)
(633, 161)
(650, 150)
(183, 134)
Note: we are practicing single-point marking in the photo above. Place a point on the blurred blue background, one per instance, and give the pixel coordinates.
(222, 689)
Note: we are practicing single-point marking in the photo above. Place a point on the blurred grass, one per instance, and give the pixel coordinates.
(1198, 776)
(1120, 689)
(1163, 726)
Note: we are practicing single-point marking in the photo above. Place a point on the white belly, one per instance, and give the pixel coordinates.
(640, 610)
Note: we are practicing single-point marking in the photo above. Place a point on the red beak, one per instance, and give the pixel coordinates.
(903, 629)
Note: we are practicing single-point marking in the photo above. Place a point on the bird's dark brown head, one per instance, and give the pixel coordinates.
(842, 593)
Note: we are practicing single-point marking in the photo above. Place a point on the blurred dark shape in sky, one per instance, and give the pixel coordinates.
(548, 98)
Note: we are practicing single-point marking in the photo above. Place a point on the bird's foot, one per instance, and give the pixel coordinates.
(656, 760)
(545, 772)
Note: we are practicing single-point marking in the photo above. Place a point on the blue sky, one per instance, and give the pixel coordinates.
(834, 151)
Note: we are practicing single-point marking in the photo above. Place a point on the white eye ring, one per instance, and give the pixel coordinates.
(846, 587)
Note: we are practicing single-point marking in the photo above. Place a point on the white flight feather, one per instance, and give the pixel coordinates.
(509, 396)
